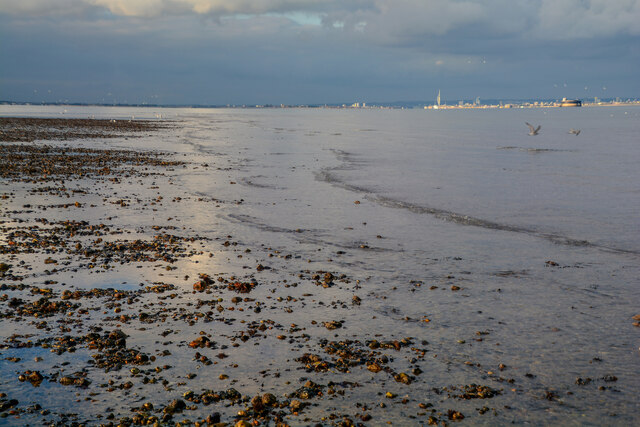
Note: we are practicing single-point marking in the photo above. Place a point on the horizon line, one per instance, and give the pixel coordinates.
(361, 104)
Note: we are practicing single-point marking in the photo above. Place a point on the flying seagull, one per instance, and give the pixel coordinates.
(575, 132)
(533, 131)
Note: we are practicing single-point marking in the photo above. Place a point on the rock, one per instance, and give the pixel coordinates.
(200, 342)
(403, 378)
(257, 404)
(175, 407)
(374, 367)
(455, 415)
(9, 404)
(202, 284)
(119, 338)
(66, 381)
(269, 399)
(199, 286)
(242, 287)
(35, 378)
(81, 382)
(334, 324)
(213, 418)
(141, 358)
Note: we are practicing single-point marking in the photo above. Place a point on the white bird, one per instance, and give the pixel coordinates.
(533, 131)
(575, 132)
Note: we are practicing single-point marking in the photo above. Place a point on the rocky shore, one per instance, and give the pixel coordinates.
(114, 311)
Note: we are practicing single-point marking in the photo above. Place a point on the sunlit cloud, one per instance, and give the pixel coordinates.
(152, 8)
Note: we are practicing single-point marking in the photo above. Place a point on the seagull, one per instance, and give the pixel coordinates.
(533, 131)
(575, 132)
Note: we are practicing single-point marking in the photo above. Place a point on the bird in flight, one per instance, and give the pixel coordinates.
(533, 131)
(575, 132)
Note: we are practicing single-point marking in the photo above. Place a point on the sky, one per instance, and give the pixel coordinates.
(219, 52)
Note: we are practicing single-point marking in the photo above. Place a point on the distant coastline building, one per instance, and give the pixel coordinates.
(437, 104)
(570, 103)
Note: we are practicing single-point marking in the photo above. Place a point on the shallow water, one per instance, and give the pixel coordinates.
(411, 203)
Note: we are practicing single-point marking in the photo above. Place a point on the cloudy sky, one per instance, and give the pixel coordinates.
(316, 51)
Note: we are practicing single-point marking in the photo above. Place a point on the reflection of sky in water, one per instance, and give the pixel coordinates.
(47, 394)
(85, 279)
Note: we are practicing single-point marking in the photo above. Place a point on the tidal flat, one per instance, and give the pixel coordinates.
(142, 282)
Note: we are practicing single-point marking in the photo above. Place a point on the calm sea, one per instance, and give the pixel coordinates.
(477, 168)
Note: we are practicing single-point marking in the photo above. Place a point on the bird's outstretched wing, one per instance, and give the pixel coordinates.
(532, 130)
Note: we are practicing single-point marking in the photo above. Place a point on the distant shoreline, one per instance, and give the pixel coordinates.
(400, 105)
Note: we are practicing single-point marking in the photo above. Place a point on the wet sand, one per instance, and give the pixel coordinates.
(115, 311)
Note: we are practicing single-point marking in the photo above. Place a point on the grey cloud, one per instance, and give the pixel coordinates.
(240, 51)
(588, 19)
(44, 7)
(387, 21)
(402, 20)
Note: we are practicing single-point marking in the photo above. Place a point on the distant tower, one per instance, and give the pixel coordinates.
(438, 98)
(478, 100)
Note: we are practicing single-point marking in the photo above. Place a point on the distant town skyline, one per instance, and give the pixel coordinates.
(292, 52)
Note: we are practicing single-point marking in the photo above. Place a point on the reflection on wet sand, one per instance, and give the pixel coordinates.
(142, 287)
